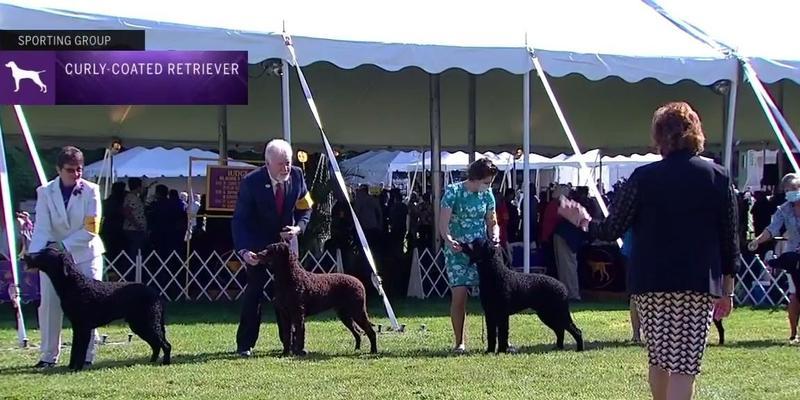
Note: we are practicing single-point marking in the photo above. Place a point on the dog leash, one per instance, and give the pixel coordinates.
(376, 279)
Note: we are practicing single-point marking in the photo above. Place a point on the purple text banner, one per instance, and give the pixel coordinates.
(124, 77)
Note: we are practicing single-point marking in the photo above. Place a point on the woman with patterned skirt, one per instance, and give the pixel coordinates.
(467, 213)
(682, 215)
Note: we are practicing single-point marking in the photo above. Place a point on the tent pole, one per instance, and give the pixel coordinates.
(472, 122)
(424, 174)
(436, 148)
(730, 118)
(222, 118)
(285, 102)
(526, 172)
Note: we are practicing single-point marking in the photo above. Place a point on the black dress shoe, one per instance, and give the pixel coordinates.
(245, 353)
(44, 364)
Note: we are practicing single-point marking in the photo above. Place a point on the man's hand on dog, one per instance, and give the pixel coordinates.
(290, 232)
(249, 257)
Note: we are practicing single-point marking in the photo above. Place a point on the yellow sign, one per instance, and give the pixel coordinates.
(302, 156)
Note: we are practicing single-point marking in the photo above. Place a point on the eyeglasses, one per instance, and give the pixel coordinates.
(72, 170)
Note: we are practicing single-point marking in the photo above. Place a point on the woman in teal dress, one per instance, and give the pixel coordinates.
(467, 213)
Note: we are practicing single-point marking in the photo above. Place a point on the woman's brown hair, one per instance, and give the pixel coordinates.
(676, 126)
(481, 169)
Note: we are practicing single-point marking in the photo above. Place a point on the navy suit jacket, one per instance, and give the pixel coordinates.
(256, 223)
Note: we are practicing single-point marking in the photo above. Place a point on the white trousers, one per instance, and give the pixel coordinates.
(51, 316)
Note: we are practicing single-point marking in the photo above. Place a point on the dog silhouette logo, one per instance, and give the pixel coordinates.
(20, 74)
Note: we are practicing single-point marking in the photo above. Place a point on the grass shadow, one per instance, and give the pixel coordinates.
(176, 359)
(756, 344)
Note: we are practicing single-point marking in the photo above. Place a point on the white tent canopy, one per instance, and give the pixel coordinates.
(455, 161)
(765, 32)
(595, 39)
(157, 162)
(374, 167)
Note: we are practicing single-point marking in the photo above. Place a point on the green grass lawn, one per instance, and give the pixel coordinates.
(756, 363)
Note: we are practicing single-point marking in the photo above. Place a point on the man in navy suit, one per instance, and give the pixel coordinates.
(273, 205)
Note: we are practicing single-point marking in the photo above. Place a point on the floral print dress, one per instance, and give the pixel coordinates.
(467, 223)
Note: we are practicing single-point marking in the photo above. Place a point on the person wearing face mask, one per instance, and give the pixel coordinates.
(786, 217)
(68, 215)
(467, 213)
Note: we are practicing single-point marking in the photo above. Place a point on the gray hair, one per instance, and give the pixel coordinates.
(278, 147)
(791, 179)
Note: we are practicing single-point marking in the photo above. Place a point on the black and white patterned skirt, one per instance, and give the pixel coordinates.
(675, 327)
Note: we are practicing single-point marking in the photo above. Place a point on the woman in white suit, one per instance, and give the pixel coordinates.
(68, 213)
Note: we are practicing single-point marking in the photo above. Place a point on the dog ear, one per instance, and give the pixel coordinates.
(28, 258)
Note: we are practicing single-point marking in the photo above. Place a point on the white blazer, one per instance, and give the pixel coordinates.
(77, 226)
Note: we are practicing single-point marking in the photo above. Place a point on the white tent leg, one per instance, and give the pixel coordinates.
(285, 102)
(526, 173)
(11, 240)
(729, 124)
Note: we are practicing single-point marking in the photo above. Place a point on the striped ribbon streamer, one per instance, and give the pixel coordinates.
(773, 114)
(575, 149)
(376, 279)
(11, 241)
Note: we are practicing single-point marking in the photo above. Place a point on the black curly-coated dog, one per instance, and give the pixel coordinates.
(504, 292)
(90, 304)
(299, 293)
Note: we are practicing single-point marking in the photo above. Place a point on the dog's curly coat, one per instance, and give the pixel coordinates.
(89, 304)
(299, 293)
(504, 292)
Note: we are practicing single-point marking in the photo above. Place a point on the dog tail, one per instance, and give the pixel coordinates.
(163, 306)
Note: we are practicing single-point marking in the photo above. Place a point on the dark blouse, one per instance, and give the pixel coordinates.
(683, 215)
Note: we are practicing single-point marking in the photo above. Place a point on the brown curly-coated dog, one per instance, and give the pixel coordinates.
(299, 293)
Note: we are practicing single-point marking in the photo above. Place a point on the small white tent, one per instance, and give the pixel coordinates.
(167, 166)
(375, 167)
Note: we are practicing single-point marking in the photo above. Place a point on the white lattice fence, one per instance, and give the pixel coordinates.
(429, 275)
(755, 285)
(121, 269)
(212, 278)
(217, 277)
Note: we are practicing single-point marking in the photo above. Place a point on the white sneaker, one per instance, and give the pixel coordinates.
(460, 349)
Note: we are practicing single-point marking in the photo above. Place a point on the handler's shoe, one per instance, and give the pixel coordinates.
(44, 365)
